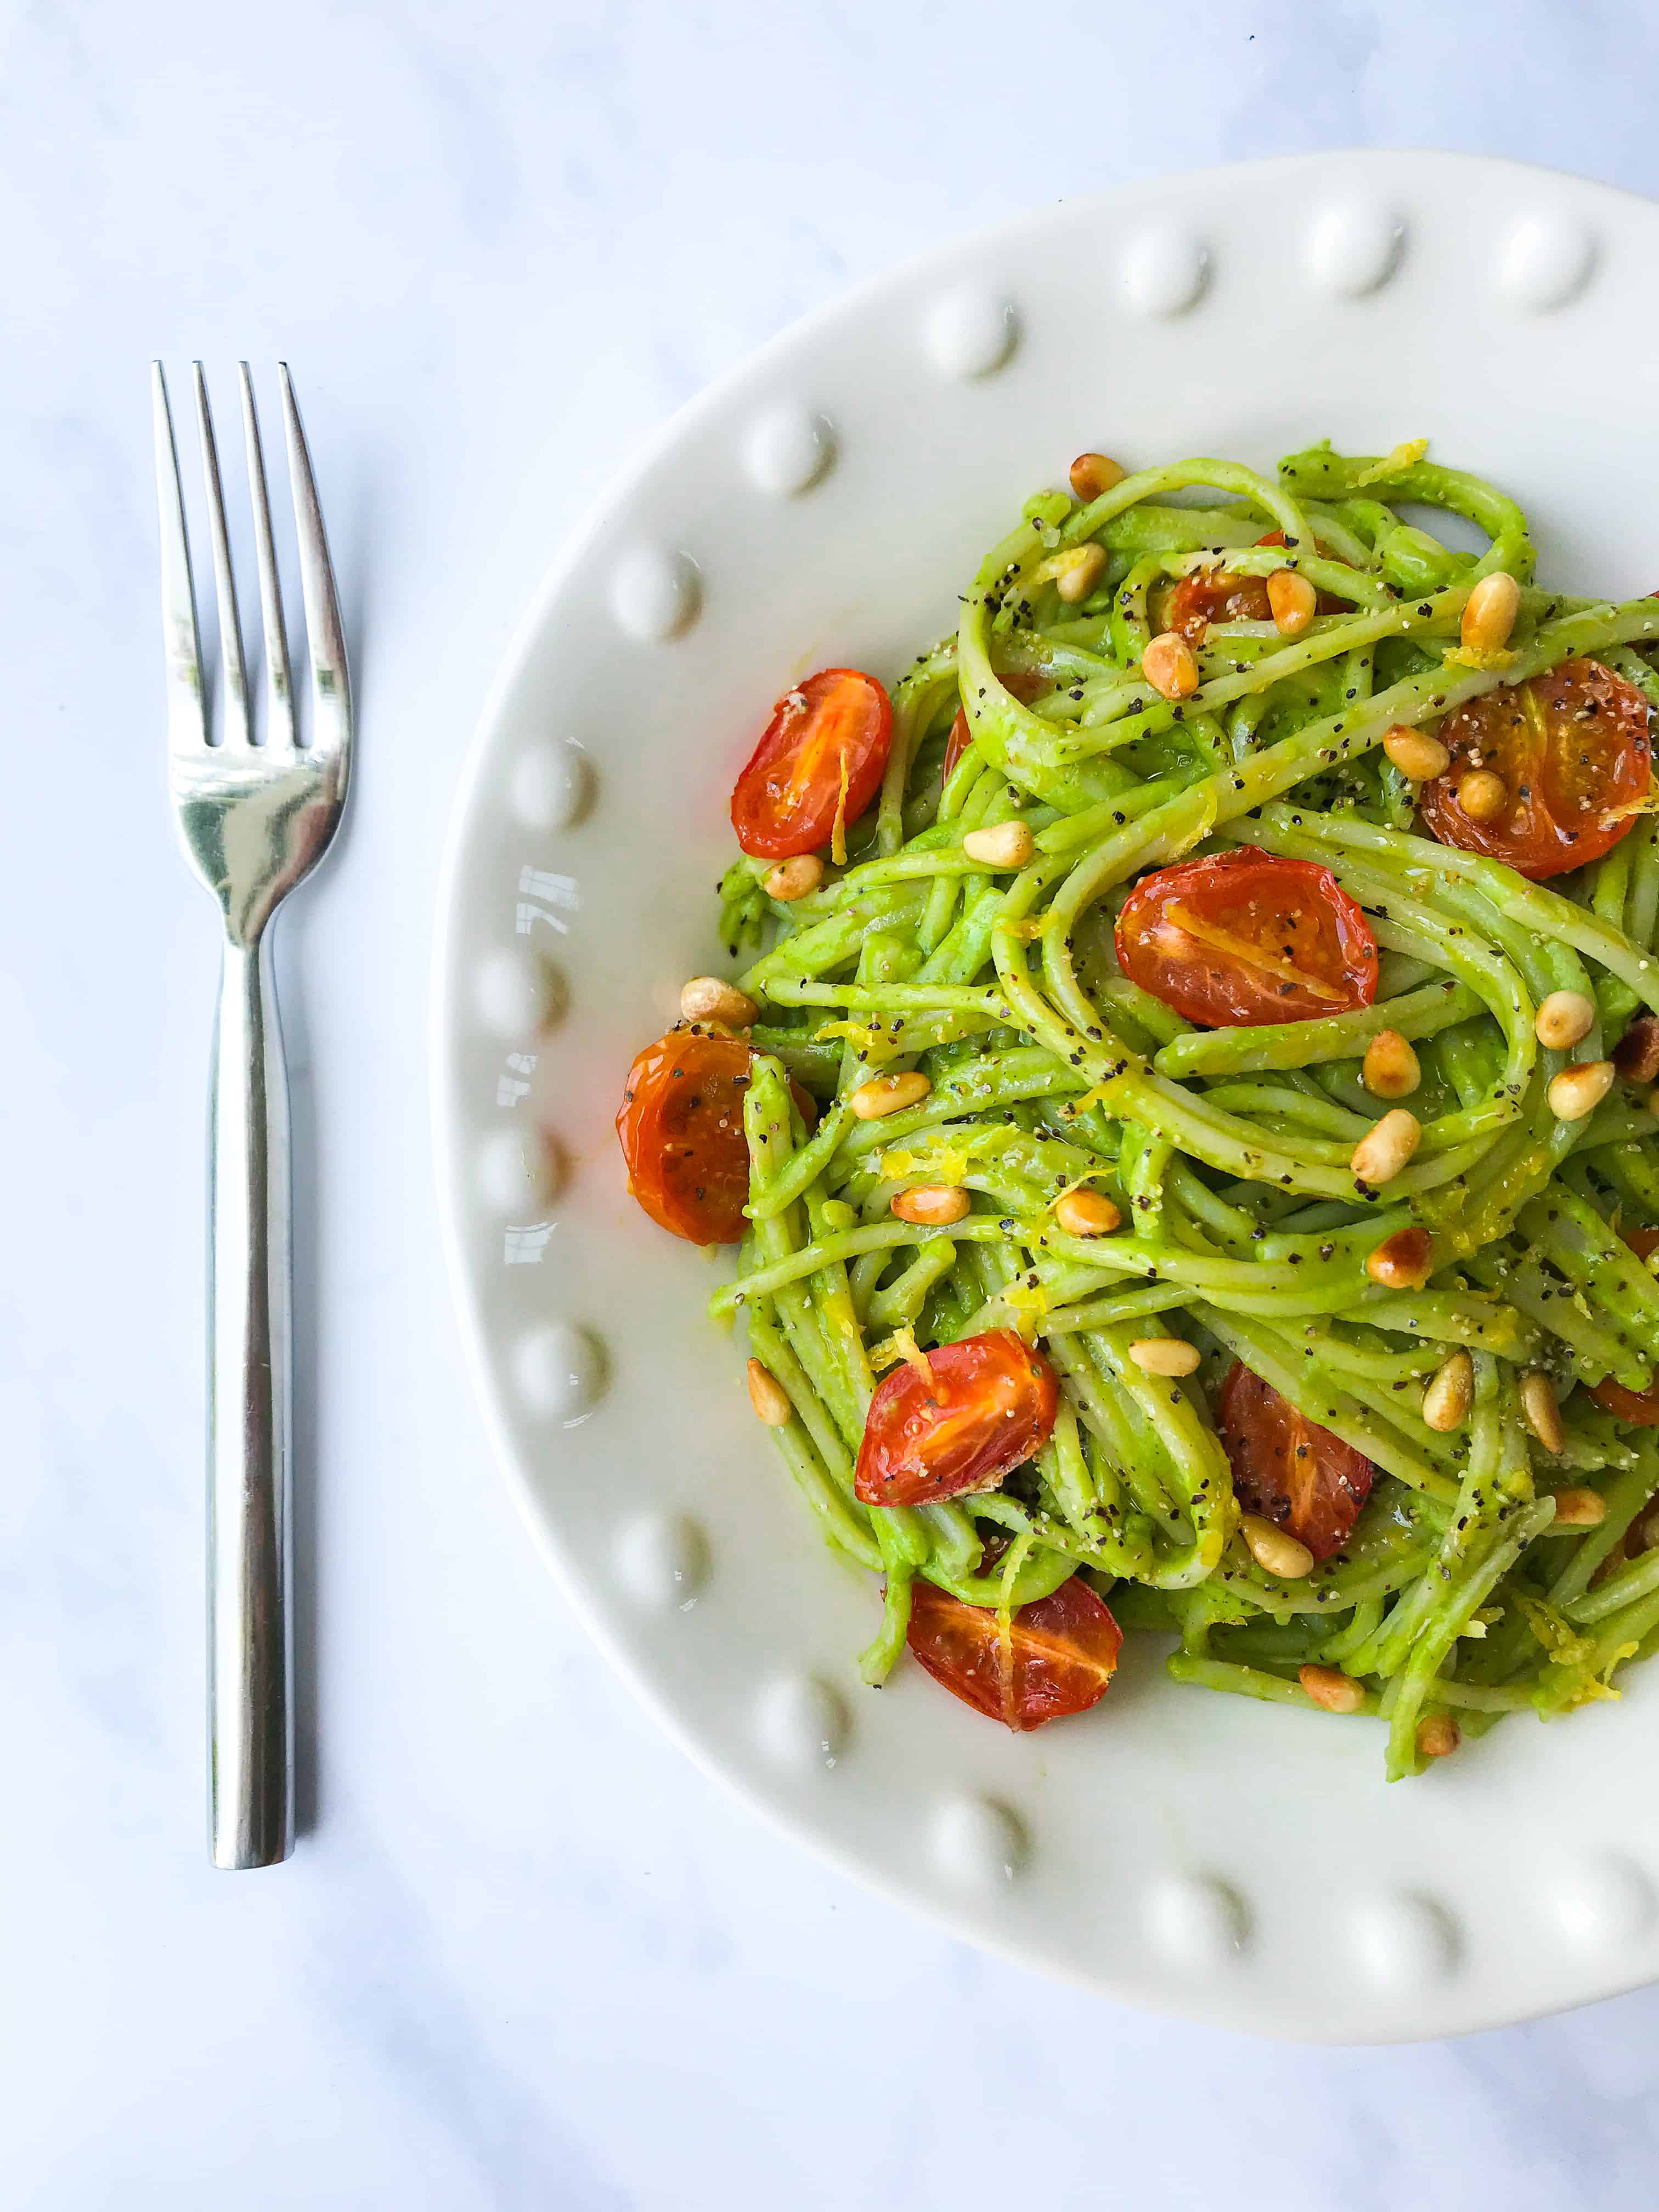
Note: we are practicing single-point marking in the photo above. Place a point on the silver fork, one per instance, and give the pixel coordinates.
(254, 818)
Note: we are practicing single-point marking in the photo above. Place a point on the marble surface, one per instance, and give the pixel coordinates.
(525, 1955)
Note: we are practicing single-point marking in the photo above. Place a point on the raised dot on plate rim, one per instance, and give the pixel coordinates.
(1355, 246)
(1165, 269)
(503, 1170)
(971, 332)
(1606, 1899)
(1544, 261)
(1197, 1920)
(550, 785)
(802, 1722)
(655, 593)
(1404, 1939)
(507, 992)
(663, 1559)
(788, 450)
(979, 1841)
(559, 1371)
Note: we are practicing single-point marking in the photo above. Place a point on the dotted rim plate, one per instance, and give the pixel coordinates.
(1200, 1855)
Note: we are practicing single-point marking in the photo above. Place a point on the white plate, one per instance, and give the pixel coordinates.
(1202, 1855)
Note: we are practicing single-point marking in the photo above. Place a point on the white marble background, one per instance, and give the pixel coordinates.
(527, 1957)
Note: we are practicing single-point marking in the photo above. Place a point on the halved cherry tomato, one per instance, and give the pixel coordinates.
(1639, 1407)
(1287, 1467)
(821, 757)
(1224, 595)
(680, 1127)
(1059, 1657)
(1572, 747)
(1024, 686)
(1247, 938)
(990, 1404)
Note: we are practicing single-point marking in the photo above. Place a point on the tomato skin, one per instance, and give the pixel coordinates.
(1215, 595)
(991, 1404)
(1573, 746)
(1023, 687)
(680, 1126)
(788, 797)
(1287, 1467)
(1059, 1658)
(1639, 1407)
(1285, 942)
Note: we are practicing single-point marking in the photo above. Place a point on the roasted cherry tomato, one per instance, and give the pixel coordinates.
(990, 1403)
(1247, 938)
(1058, 1657)
(1639, 1407)
(1572, 748)
(1023, 687)
(1215, 595)
(1287, 1467)
(820, 760)
(681, 1130)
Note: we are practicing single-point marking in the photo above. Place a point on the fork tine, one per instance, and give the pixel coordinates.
(279, 680)
(230, 628)
(186, 706)
(331, 678)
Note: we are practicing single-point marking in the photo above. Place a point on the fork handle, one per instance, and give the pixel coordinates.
(250, 1652)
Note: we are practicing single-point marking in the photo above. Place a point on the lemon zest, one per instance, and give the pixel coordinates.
(1404, 456)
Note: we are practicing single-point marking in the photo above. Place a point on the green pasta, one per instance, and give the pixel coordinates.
(1496, 1564)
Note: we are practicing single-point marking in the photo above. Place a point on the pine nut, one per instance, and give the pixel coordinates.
(1076, 571)
(1636, 1056)
(768, 1397)
(1390, 1068)
(1563, 1019)
(1292, 600)
(936, 1203)
(1330, 1687)
(1164, 1355)
(1580, 1089)
(1483, 795)
(1415, 754)
(1403, 1262)
(1438, 1735)
(1490, 613)
(1450, 1393)
(1580, 1507)
(1093, 473)
(1005, 845)
(1169, 666)
(794, 878)
(1086, 1213)
(1543, 1414)
(888, 1094)
(1379, 1157)
(707, 998)
(1274, 1550)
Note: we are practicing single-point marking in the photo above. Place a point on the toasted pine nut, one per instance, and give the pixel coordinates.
(1403, 1262)
(1636, 1056)
(707, 998)
(1379, 1155)
(1581, 1507)
(1451, 1391)
(1543, 1414)
(1489, 614)
(1580, 1089)
(1076, 571)
(1003, 845)
(1563, 1019)
(1164, 1355)
(1170, 667)
(1086, 1213)
(1292, 600)
(1438, 1735)
(936, 1203)
(888, 1094)
(794, 878)
(1390, 1068)
(1274, 1550)
(768, 1397)
(1330, 1687)
(1483, 795)
(1415, 753)
(1093, 473)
